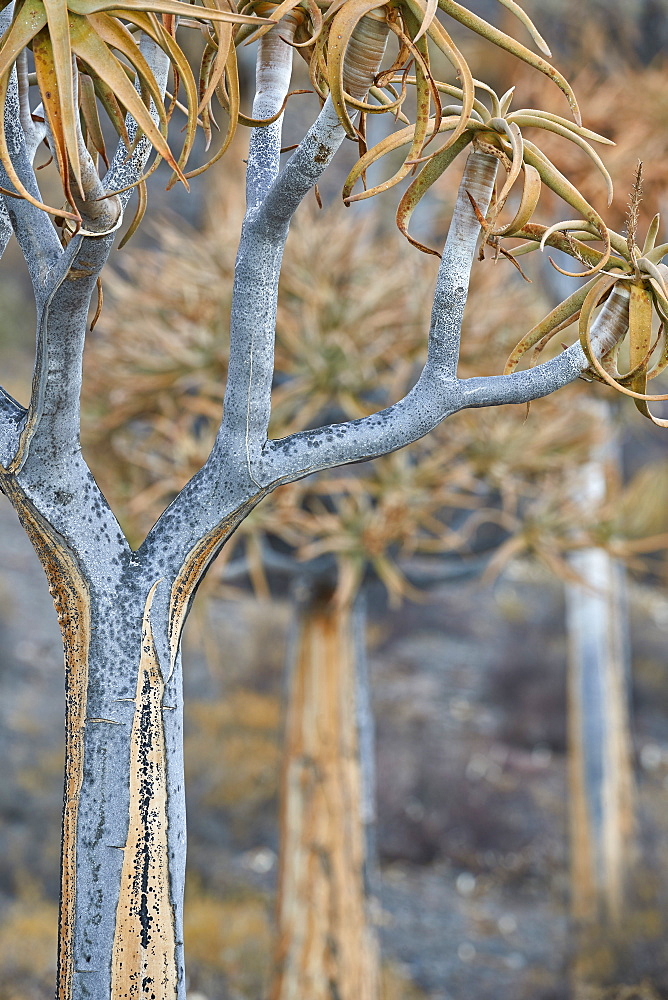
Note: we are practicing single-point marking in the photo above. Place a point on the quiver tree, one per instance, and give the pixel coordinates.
(122, 609)
(332, 533)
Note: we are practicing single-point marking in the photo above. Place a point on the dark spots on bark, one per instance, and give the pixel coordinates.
(146, 984)
(63, 498)
(144, 916)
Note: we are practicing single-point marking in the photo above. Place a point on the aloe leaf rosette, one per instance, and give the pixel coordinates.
(637, 271)
(86, 54)
(422, 42)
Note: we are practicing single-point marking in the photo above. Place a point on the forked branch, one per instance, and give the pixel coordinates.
(273, 197)
(438, 392)
(244, 466)
(64, 278)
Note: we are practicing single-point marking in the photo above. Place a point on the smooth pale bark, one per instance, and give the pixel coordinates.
(326, 944)
(122, 611)
(599, 742)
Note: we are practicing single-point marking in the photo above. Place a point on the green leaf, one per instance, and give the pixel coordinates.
(391, 142)
(533, 121)
(142, 201)
(429, 174)
(90, 115)
(650, 239)
(555, 180)
(528, 203)
(567, 309)
(524, 18)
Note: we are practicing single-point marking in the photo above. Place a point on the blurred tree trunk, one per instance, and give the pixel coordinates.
(600, 770)
(327, 946)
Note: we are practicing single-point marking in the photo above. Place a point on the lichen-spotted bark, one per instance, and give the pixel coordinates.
(143, 958)
(71, 598)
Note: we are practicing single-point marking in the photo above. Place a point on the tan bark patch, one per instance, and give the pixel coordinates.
(69, 591)
(194, 566)
(143, 965)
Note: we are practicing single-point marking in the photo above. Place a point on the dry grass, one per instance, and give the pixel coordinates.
(28, 936)
(227, 942)
(245, 730)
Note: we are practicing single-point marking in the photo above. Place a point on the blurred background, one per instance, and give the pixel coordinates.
(503, 580)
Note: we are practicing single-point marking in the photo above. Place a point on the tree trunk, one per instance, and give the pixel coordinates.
(121, 611)
(123, 849)
(600, 775)
(124, 836)
(600, 772)
(326, 945)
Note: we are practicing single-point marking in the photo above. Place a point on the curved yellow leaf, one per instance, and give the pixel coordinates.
(586, 133)
(6, 160)
(56, 62)
(391, 142)
(344, 23)
(528, 202)
(555, 180)
(94, 53)
(556, 318)
(652, 234)
(524, 18)
(430, 173)
(90, 116)
(606, 282)
(232, 99)
(163, 7)
(533, 121)
(142, 201)
(492, 34)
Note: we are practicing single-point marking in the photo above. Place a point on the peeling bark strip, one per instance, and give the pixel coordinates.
(143, 957)
(72, 602)
(193, 569)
